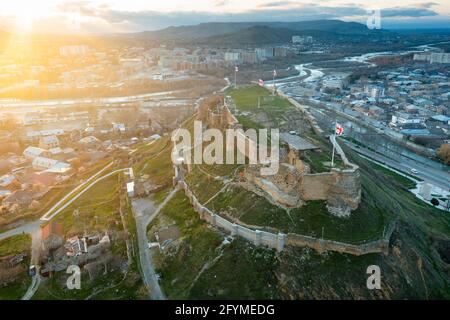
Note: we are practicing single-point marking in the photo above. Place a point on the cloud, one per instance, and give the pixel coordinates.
(276, 4)
(282, 10)
(399, 12)
(221, 3)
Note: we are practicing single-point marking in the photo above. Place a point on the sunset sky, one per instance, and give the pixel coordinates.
(100, 16)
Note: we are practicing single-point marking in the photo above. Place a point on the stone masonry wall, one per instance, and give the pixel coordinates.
(278, 241)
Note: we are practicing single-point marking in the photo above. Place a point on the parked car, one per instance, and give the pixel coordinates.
(32, 271)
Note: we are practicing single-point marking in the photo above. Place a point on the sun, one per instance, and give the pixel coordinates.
(25, 19)
(24, 13)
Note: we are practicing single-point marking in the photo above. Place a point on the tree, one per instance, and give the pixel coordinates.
(434, 202)
(444, 153)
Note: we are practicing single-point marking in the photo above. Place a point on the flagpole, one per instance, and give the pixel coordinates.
(332, 157)
(273, 82)
(235, 75)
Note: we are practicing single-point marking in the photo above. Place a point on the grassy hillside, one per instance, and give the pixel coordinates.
(199, 265)
(9, 247)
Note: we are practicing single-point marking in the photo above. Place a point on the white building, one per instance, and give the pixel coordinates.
(33, 152)
(6, 180)
(77, 50)
(50, 165)
(264, 53)
(49, 142)
(440, 58)
(302, 39)
(402, 118)
(434, 57)
(232, 56)
(44, 133)
(130, 189)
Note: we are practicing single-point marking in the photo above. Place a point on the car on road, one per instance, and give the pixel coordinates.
(414, 171)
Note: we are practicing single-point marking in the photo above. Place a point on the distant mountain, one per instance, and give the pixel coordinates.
(255, 35)
(228, 30)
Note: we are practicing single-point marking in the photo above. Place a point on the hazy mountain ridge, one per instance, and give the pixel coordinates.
(214, 29)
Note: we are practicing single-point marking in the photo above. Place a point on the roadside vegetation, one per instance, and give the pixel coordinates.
(98, 210)
(14, 281)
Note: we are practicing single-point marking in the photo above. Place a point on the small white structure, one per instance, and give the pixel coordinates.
(130, 189)
(425, 191)
(119, 127)
(155, 137)
(55, 151)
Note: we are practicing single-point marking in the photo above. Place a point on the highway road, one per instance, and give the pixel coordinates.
(433, 176)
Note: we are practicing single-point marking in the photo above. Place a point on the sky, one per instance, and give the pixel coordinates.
(106, 16)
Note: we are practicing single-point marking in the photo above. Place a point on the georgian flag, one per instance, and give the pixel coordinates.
(261, 82)
(339, 129)
(236, 69)
(274, 73)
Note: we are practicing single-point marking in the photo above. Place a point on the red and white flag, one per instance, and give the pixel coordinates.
(236, 69)
(339, 129)
(261, 82)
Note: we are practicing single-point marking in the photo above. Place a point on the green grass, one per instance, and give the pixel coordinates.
(11, 246)
(318, 161)
(96, 207)
(179, 269)
(246, 99)
(203, 185)
(242, 272)
(366, 223)
(402, 180)
(15, 244)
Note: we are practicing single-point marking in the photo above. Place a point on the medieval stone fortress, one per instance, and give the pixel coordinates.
(294, 183)
(297, 182)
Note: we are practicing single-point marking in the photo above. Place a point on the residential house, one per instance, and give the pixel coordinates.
(52, 236)
(50, 165)
(49, 142)
(33, 152)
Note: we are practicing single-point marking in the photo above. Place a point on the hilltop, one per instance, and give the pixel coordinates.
(260, 32)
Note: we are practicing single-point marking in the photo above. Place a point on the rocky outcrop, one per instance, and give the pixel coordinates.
(290, 188)
(344, 194)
